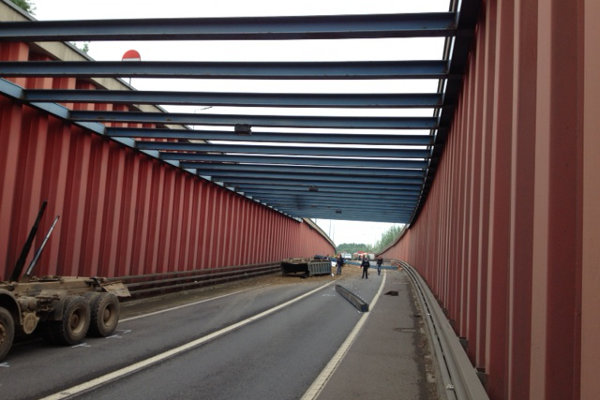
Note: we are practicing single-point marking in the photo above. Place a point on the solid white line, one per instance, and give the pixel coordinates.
(170, 353)
(183, 305)
(319, 383)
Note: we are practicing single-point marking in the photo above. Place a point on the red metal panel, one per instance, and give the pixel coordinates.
(141, 229)
(522, 200)
(499, 241)
(130, 194)
(186, 223)
(94, 212)
(54, 187)
(590, 280)
(156, 210)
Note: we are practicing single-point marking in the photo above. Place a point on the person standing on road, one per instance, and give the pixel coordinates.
(365, 266)
(379, 262)
(340, 264)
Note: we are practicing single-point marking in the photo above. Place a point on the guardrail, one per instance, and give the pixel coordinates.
(159, 283)
(458, 376)
(354, 299)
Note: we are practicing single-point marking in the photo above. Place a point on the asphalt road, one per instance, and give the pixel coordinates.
(168, 355)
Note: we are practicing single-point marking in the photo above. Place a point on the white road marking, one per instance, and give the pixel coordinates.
(86, 386)
(83, 344)
(4, 365)
(319, 383)
(182, 306)
(119, 334)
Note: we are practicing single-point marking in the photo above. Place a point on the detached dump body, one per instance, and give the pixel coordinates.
(306, 266)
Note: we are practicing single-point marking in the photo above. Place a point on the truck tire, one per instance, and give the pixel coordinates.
(7, 332)
(105, 311)
(74, 324)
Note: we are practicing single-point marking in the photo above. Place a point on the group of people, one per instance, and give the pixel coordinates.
(366, 264)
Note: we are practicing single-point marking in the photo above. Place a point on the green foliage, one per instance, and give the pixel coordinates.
(26, 5)
(388, 238)
(352, 248)
(83, 46)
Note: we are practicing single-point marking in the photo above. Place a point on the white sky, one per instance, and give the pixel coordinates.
(284, 50)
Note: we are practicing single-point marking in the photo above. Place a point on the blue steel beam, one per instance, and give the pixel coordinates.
(257, 120)
(326, 191)
(343, 202)
(231, 70)
(351, 210)
(191, 161)
(349, 216)
(355, 215)
(345, 100)
(284, 150)
(287, 137)
(339, 204)
(357, 173)
(332, 195)
(293, 194)
(283, 184)
(263, 28)
(224, 175)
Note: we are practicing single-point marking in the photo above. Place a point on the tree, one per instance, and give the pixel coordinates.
(388, 238)
(26, 5)
(352, 247)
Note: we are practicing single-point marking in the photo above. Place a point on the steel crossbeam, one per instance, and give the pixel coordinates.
(190, 161)
(284, 150)
(263, 28)
(355, 173)
(345, 100)
(287, 137)
(231, 70)
(258, 120)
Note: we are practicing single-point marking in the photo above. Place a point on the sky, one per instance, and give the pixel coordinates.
(285, 50)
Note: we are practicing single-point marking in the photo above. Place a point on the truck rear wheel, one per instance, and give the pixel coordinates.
(7, 332)
(74, 324)
(104, 315)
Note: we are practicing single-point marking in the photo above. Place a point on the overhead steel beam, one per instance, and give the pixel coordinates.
(340, 197)
(344, 100)
(224, 175)
(208, 169)
(368, 218)
(188, 161)
(350, 206)
(325, 191)
(339, 202)
(284, 150)
(350, 216)
(286, 184)
(287, 137)
(257, 120)
(356, 211)
(231, 70)
(271, 28)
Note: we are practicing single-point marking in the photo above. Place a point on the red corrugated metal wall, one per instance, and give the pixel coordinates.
(508, 237)
(122, 212)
